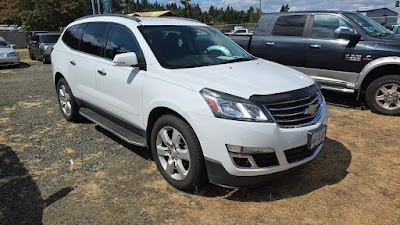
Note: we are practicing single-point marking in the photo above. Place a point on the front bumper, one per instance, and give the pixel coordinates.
(215, 133)
(9, 61)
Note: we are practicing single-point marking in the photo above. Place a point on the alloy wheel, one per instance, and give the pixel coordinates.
(388, 96)
(65, 100)
(173, 153)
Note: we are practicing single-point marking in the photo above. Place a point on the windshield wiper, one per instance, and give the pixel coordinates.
(238, 60)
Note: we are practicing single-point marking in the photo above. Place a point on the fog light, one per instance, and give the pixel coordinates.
(242, 162)
(248, 150)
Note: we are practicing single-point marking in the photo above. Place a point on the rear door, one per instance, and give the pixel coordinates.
(331, 60)
(120, 87)
(285, 43)
(83, 62)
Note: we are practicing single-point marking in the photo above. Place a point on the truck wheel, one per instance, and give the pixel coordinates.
(68, 106)
(177, 153)
(383, 95)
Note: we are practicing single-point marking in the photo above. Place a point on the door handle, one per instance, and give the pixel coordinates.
(270, 43)
(73, 62)
(315, 46)
(102, 72)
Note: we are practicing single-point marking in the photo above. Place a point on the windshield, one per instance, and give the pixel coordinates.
(191, 46)
(4, 44)
(49, 38)
(373, 28)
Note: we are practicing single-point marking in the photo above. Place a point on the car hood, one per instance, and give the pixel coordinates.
(6, 50)
(248, 78)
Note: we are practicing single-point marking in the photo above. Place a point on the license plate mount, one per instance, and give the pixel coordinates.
(316, 137)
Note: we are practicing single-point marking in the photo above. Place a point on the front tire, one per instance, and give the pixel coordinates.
(68, 106)
(31, 54)
(44, 60)
(177, 153)
(383, 95)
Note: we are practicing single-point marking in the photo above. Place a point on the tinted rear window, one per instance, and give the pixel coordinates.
(72, 35)
(290, 26)
(49, 38)
(93, 38)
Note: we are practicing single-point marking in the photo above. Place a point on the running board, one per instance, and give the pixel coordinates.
(116, 129)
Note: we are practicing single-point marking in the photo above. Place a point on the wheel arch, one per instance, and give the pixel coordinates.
(57, 77)
(156, 113)
(376, 69)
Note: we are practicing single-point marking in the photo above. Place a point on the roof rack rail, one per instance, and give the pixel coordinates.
(116, 15)
(180, 18)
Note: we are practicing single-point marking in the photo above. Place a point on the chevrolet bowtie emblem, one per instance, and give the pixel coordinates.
(311, 110)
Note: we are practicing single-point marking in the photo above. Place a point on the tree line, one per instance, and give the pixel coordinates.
(55, 14)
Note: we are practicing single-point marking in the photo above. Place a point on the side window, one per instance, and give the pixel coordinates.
(290, 26)
(72, 35)
(121, 40)
(329, 26)
(93, 38)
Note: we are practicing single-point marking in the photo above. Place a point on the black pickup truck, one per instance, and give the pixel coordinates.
(343, 51)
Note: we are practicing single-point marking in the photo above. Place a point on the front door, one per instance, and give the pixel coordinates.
(331, 60)
(120, 87)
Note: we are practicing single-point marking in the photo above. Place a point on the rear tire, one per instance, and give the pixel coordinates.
(178, 154)
(383, 95)
(68, 106)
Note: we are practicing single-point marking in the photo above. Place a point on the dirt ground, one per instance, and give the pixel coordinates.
(56, 172)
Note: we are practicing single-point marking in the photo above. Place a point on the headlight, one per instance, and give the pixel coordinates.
(12, 54)
(47, 48)
(235, 108)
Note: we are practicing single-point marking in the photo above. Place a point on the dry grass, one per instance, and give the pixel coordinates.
(354, 180)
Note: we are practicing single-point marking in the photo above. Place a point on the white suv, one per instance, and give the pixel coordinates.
(208, 110)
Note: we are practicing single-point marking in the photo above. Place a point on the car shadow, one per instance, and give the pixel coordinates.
(328, 168)
(22, 65)
(20, 199)
(345, 100)
(141, 151)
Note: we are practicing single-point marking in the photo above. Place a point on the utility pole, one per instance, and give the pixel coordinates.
(98, 6)
(94, 11)
(260, 6)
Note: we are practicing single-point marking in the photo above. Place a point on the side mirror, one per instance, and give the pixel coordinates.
(126, 59)
(349, 36)
(12, 45)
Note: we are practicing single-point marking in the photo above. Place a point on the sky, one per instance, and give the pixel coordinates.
(295, 5)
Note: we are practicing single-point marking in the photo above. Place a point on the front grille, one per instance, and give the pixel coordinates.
(295, 108)
(299, 153)
(266, 159)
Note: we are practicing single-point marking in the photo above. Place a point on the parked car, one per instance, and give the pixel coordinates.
(29, 35)
(343, 51)
(206, 109)
(395, 29)
(8, 56)
(239, 31)
(42, 45)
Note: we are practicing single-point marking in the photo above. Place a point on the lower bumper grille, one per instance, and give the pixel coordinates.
(299, 153)
(266, 159)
